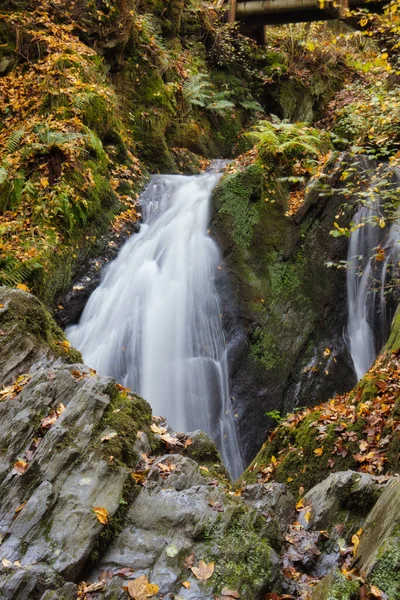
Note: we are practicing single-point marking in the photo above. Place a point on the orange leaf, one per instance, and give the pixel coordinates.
(101, 514)
(186, 584)
(319, 451)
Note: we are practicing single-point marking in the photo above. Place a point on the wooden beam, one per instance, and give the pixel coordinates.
(232, 11)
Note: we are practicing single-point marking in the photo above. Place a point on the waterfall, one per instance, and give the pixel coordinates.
(371, 274)
(154, 322)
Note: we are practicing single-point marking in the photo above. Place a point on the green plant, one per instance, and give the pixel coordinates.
(285, 142)
(275, 415)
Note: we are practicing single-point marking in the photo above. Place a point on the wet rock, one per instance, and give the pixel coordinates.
(276, 504)
(28, 335)
(378, 555)
(343, 495)
(334, 586)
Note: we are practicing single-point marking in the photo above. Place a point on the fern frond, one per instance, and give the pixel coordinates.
(14, 140)
(197, 89)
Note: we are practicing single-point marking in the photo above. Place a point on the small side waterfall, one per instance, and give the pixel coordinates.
(372, 275)
(154, 322)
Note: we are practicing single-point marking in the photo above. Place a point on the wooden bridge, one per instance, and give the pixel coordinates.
(257, 13)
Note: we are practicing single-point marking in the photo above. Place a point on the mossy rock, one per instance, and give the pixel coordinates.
(28, 333)
(336, 586)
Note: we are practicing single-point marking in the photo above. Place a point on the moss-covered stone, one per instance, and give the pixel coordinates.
(248, 566)
(336, 586)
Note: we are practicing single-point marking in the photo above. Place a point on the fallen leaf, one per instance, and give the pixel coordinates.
(21, 466)
(230, 593)
(22, 286)
(101, 514)
(186, 584)
(159, 430)
(203, 571)
(20, 507)
(307, 516)
(376, 592)
(109, 436)
(319, 451)
(300, 504)
(189, 561)
(6, 563)
(140, 588)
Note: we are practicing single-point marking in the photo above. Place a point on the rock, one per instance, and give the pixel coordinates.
(69, 506)
(276, 504)
(27, 335)
(336, 586)
(378, 554)
(175, 517)
(342, 496)
(289, 307)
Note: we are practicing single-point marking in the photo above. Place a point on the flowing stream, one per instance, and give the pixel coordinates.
(371, 277)
(154, 322)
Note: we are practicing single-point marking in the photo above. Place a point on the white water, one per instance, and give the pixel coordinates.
(154, 322)
(368, 280)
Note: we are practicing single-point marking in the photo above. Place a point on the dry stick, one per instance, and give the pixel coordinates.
(344, 7)
(232, 12)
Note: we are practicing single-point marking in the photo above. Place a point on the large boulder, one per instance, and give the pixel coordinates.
(343, 496)
(28, 335)
(378, 555)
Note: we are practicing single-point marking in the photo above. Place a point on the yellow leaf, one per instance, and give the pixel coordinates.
(300, 504)
(141, 589)
(319, 451)
(355, 540)
(382, 223)
(101, 514)
(186, 584)
(23, 287)
(203, 571)
(307, 516)
(289, 479)
(376, 592)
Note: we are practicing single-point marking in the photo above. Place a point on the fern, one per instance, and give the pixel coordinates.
(14, 141)
(3, 175)
(286, 141)
(13, 272)
(220, 104)
(197, 90)
(252, 106)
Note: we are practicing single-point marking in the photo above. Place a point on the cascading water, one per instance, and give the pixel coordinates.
(154, 322)
(369, 275)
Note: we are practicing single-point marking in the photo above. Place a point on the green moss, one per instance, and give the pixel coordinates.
(393, 342)
(243, 566)
(386, 576)
(125, 415)
(264, 349)
(239, 195)
(336, 586)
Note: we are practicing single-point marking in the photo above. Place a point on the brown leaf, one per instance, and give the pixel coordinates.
(230, 593)
(203, 571)
(189, 561)
(19, 508)
(21, 466)
(141, 589)
(376, 592)
(159, 430)
(101, 514)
